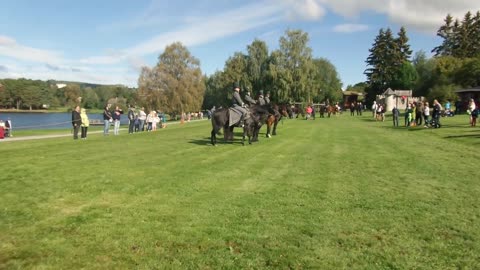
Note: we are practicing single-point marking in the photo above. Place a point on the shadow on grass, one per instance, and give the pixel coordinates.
(205, 141)
(463, 136)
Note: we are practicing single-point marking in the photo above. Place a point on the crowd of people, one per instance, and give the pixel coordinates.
(418, 113)
(138, 120)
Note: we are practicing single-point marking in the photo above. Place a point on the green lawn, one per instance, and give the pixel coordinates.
(339, 193)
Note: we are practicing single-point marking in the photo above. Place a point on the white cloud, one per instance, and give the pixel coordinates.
(304, 9)
(213, 27)
(10, 48)
(422, 15)
(350, 28)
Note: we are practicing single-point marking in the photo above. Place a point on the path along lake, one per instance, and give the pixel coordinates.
(29, 121)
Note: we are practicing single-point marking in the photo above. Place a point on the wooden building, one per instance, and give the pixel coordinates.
(350, 97)
(465, 95)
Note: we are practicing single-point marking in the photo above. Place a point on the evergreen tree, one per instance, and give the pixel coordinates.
(446, 33)
(404, 48)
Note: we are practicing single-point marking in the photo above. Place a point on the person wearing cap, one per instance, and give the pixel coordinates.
(248, 98)
(238, 103)
(261, 99)
(267, 98)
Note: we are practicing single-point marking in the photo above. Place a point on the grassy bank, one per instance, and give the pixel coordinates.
(333, 193)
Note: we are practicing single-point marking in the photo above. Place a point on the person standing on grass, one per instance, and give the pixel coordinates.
(426, 113)
(374, 109)
(437, 110)
(395, 115)
(131, 119)
(419, 113)
(85, 123)
(142, 117)
(8, 127)
(76, 121)
(471, 109)
(116, 120)
(359, 108)
(107, 119)
(408, 114)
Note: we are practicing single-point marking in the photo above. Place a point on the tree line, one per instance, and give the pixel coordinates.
(36, 94)
(454, 65)
(290, 73)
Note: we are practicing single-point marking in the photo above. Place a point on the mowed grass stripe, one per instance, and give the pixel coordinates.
(343, 192)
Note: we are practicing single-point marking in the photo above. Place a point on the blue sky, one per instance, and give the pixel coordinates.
(107, 42)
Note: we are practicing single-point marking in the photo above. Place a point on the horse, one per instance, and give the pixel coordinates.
(323, 110)
(332, 109)
(220, 119)
(278, 111)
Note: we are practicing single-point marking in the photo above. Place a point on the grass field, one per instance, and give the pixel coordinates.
(339, 193)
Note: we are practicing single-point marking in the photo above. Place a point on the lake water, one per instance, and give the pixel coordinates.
(25, 121)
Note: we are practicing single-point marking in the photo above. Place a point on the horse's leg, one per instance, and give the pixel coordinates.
(269, 127)
(245, 128)
(231, 134)
(213, 137)
(274, 131)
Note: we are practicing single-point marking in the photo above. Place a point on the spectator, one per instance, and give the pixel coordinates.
(426, 114)
(107, 119)
(8, 128)
(408, 114)
(131, 119)
(116, 120)
(76, 121)
(85, 123)
(374, 109)
(437, 110)
(142, 117)
(473, 113)
(359, 108)
(395, 114)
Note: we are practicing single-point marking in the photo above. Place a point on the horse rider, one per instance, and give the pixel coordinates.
(261, 99)
(267, 98)
(238, 104)
(248, 98)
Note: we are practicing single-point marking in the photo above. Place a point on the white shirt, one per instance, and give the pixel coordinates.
(426, 111)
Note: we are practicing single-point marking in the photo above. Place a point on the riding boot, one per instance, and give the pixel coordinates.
(240, 123)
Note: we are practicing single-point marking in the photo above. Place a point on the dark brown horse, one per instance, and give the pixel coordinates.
(277, 113)
(220, 120)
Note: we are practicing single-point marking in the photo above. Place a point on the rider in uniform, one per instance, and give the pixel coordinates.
(238, 104)
(261, 99)
(248, 98)
(267, 98)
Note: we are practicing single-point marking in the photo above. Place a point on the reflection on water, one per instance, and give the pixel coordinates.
(25, 121)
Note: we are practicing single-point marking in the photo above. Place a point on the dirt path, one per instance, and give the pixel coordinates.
(38, 137)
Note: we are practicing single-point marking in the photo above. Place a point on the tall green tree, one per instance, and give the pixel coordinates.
(176, 82)
(460, 38)
(296, 60)
(257, 64)
(402, 44)
(236, 71)
(325, 84)
(445, 32)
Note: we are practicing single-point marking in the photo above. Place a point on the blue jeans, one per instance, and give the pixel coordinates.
(116, 127)
(142, 124)
(106, 126)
